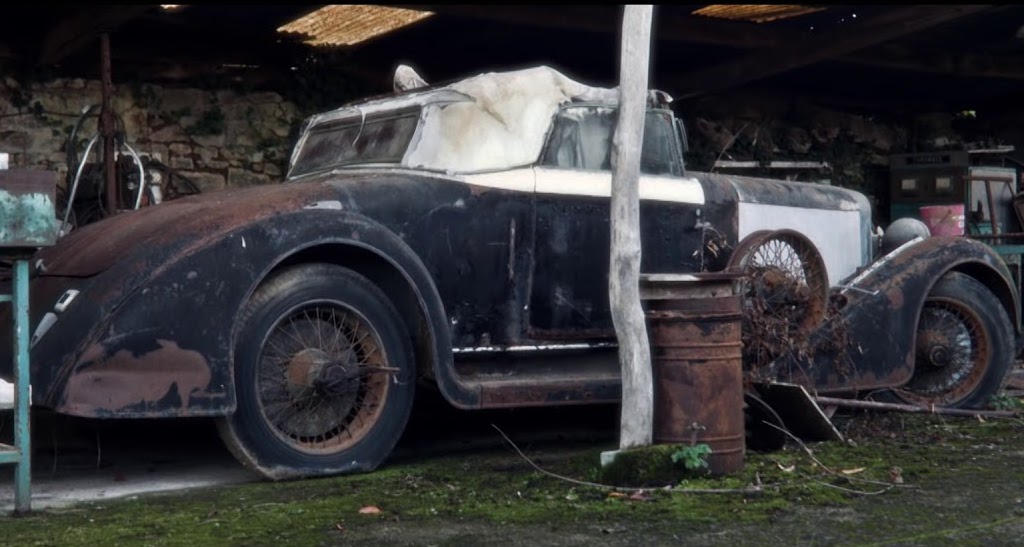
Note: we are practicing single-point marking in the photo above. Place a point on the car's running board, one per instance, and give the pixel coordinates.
(556, 377)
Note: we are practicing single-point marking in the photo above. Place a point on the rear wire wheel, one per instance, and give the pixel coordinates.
(323, 375)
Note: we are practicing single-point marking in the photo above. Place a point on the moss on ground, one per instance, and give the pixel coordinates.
(961, 481)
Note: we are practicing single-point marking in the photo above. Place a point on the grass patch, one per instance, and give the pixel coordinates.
(465, 497)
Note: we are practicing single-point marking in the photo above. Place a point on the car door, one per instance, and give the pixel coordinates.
(569, 281)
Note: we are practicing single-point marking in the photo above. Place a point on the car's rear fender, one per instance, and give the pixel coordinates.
(167, 348)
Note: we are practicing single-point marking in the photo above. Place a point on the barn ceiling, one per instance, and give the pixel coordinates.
(893, 57)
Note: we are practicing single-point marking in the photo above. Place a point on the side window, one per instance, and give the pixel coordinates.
(684, 143)
(581, 138)
(660, 154)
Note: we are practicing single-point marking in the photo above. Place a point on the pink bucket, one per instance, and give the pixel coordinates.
(944, 220)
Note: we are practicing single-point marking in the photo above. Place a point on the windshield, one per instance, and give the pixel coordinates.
(355, 141)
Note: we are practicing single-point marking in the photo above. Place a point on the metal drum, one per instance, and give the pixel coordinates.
(694, 323)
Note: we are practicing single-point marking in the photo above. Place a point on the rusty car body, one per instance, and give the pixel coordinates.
(457, 238)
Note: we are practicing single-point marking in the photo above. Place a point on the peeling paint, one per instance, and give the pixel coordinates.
(108, 383)
(334, 205)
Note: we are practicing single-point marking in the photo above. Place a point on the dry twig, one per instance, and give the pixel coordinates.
(748, 490)
(831, 471)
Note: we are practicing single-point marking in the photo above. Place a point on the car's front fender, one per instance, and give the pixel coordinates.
(869, 342)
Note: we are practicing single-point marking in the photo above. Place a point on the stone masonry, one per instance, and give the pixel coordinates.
(217, 138)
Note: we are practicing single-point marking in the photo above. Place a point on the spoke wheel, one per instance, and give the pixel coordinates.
(324, 375)
(785, 292)
(963, 347)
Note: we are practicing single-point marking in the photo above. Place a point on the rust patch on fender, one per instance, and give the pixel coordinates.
(895, 296)
(122, 379)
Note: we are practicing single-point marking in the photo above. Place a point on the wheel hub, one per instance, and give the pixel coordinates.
(313, 372)
(337, 380)
(933, 347)
(939, 356)
(303, 369)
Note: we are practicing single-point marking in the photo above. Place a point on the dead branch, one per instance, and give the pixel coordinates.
(931, 409)
(850, 490)
(810, 453)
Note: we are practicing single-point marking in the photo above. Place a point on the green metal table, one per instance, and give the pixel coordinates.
(19, 453)
(27, 221)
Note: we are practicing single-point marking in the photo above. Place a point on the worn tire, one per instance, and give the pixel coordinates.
(964, 346)
(324, 375)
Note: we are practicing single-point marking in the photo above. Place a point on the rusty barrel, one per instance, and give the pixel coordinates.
(694, 323)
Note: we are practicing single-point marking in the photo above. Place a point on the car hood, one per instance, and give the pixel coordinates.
(194, 220)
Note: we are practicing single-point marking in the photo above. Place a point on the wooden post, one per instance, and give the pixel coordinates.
(107, 127)
(637, 420)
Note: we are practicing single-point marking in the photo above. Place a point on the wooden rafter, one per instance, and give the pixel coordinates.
(938, 62)
(76, 31)
(672, 26)
(681, 28)
(800, 53)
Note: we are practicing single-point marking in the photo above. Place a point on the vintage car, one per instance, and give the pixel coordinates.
(456, 238)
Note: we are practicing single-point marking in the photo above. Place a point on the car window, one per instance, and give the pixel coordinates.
(581, 138)
(352, 141)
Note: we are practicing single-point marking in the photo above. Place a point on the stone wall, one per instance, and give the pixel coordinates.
(216, 138)
(855, 145)
(767, 129)
(225, 138)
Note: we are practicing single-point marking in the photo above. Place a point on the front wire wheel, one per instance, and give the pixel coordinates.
(963, 347)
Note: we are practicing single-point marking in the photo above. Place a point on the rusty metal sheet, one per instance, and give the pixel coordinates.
(758, 13)
(27, 214)
(340, 25)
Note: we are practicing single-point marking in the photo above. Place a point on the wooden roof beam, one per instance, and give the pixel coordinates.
(683, 28)
(939, 62)
(74, 32)
(668, 25)
(810, 50)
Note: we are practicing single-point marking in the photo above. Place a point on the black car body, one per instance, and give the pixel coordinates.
(464, 231)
